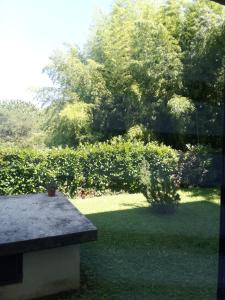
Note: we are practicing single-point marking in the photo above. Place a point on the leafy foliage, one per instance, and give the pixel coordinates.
(202, 41)
(200, 166)
(71, 126)
(147, 73)
(159, 68)
(103, 166)
(20, 124)
(159, 186)
(180, 110)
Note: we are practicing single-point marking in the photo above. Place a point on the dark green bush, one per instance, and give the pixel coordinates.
(159, 186)
(111, 166)
(200, 166)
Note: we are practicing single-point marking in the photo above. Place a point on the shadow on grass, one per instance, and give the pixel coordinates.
(140, 255)
(158, 255)
(197, 219)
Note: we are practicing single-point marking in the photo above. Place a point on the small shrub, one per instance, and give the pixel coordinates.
(159, 186)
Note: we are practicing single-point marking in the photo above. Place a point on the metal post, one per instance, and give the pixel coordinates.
(221, 270)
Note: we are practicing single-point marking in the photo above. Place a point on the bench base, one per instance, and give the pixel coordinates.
(46, 272)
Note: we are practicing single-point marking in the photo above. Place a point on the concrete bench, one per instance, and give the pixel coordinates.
(39, 245)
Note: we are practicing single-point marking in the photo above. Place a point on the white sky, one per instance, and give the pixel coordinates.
(30, 30)
(20, 68)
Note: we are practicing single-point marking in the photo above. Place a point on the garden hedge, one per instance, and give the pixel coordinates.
(113, 166)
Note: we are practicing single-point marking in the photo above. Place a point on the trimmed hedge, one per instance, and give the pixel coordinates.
(105, 166)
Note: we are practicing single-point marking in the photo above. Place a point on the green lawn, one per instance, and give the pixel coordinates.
(140, 255)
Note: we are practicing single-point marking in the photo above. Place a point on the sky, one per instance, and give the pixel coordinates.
(30, 30)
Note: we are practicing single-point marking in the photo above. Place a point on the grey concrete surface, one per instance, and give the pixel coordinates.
(35, 222)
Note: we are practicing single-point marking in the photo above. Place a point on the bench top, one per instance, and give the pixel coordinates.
(35, 222)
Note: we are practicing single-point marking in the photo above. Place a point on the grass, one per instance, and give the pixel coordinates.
(140, 255)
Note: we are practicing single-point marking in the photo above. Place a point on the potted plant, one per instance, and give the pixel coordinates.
(51, 188)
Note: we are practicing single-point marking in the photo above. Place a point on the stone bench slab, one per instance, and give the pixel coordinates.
(36, 222)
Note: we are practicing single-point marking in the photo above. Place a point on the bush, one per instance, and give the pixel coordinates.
(200, 166)
(159, 186)
(113, 165)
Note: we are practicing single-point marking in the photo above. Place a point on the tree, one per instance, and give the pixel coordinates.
(20, 124)
(140, 64)
(71, 127)
(203, 45)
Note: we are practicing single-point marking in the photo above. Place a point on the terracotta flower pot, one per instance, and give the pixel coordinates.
(51, 192)
(51, 188)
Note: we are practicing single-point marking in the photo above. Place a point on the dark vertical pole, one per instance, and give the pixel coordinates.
(221, 271)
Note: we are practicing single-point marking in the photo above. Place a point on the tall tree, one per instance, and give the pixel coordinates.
(203, 45)
(141, 64)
